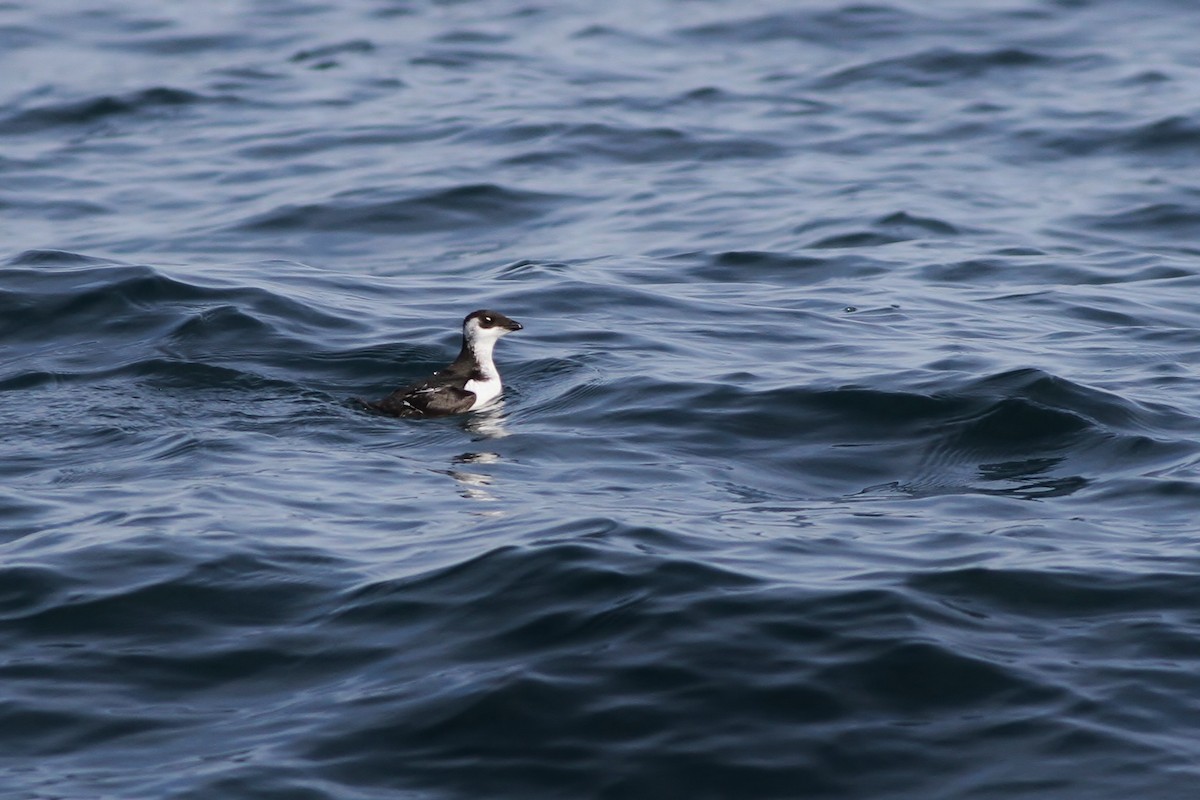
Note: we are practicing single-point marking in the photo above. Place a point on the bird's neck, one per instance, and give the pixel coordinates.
(478, 353)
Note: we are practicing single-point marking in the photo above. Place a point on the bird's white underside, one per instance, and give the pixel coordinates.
(486, 391)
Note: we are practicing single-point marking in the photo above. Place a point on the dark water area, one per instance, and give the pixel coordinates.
(849, 450)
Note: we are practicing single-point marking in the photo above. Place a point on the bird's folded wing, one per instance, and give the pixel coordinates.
(425, 401)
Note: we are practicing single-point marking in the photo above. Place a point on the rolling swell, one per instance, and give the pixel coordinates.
(705, 642)
(1019, 432)
(459, 208)
(607, 143)
(96, 109)
(574, 660)
(620, 603)
(845, 24)
(942, 65)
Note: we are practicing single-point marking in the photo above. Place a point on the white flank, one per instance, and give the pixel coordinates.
(485, 391)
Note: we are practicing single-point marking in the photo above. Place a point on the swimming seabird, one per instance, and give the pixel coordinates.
(470, 383)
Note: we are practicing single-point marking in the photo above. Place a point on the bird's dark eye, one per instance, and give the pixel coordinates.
(487, 320)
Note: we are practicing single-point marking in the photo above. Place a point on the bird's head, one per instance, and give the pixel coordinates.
(484, 325)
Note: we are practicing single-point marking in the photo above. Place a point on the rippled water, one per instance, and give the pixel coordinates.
(849, 450)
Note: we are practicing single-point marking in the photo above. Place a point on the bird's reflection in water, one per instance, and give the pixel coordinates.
(473, 485)
(486, 424)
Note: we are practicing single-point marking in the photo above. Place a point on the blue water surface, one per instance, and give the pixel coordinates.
(849, 450)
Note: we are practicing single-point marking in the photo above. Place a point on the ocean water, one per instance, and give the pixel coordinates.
(850, 449)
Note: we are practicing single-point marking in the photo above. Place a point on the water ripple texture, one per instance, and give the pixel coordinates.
(849, 449)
